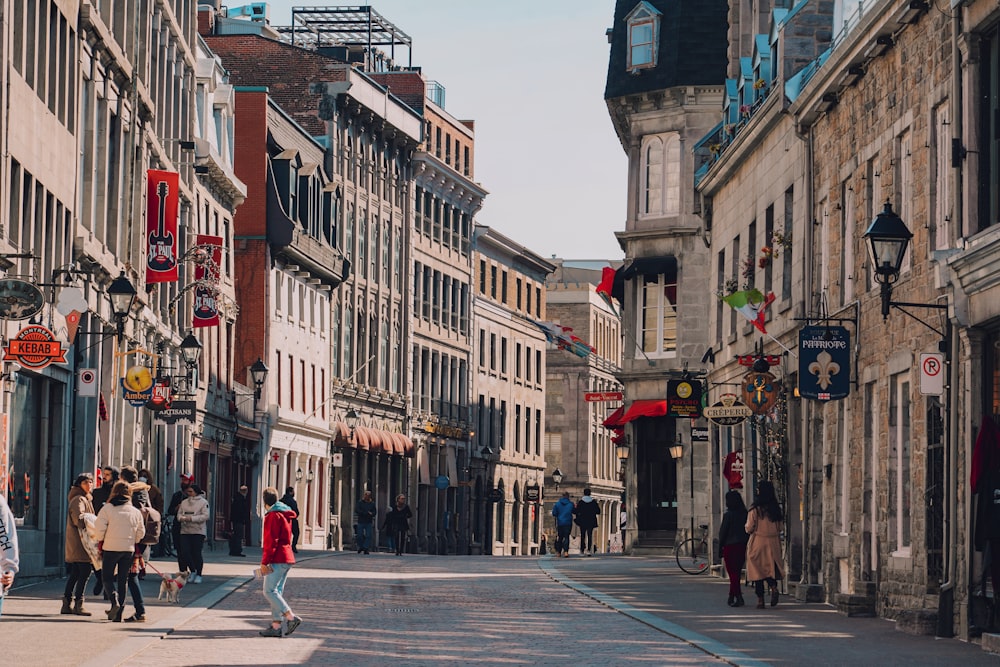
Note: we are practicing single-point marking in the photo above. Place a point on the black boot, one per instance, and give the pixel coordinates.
(66, 608)
(739, 601)
(760, 602)
(731, 601)
(774, 597)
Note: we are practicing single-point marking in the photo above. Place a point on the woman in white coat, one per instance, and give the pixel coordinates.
(120, 527)
(193, 516)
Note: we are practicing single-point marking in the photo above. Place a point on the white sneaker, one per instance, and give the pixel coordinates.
(195, 579)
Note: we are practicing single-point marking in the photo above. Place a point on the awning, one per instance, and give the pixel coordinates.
(645, 408)
(361, 440)
(614, 420)
(665, 265)
(373, 439)
(342, 435)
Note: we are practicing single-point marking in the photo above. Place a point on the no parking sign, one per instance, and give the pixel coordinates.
(932, 374)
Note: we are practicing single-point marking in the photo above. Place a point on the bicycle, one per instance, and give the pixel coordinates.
(692, 553)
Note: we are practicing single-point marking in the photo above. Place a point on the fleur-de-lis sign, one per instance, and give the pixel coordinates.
(823, 368)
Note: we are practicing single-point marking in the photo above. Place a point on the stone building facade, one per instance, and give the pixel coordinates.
(509, 392)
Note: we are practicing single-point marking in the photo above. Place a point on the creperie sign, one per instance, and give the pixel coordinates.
(602, 396)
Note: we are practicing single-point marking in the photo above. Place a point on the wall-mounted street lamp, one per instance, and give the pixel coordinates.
(677, 453)
(190, 350)
(298, 475)
(258, 372)
(888, 238)
(557, 478)
(352, 420)
(122, 294)
(310, 476)
(622, 450)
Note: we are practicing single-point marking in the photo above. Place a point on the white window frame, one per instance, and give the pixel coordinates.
(643, 16)
(663, 308)
(660, 191)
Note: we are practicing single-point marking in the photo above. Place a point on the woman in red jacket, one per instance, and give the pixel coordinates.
(275, 562)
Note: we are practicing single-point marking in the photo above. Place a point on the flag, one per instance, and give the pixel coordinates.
(751, 304)
(102, 408)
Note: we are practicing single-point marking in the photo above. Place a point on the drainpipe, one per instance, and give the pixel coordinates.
(946, 598)
(804, 421)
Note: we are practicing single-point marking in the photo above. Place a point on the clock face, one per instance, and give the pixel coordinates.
(19, 300)
(684, 390)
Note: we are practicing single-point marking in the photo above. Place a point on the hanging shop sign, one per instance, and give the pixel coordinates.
(495, 496)
(824, 363)
(732, 470)
(161, 226)
(35, 347)
(749, 359)
(207, 272)
(532, 493)
(160, 396)
(760, 392)
(683, 398)
(728, 411)
(19, 299)
(178, 412)
(137, 385)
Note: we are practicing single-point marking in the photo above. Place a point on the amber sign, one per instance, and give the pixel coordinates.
(35, 347)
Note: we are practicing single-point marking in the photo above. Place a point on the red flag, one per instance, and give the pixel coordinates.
(102, 407)
(161, 226)
(607, 283)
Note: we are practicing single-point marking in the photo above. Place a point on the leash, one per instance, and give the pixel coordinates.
(165, 577)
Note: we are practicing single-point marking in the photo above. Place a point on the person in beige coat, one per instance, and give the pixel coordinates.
(77, 559)
(120, 527)
(764, 525)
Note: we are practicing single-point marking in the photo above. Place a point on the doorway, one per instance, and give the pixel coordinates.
(656, 475)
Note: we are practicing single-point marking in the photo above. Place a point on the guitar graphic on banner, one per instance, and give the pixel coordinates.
(161, 246)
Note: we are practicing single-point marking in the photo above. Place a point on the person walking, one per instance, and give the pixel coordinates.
(137, 569)
(175, 527)
(289, 500)
(733, 541)
(563, 512)
(239, 517)
(365, 512)
(276, 561)
(764, 525)
(193, 516)
(99, 496)
(586, 512)
(9, 553)
(397, 522)
(155, 494)
(119, 528)
(78, 563)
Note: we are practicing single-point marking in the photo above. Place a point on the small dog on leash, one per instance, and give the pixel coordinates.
(170, 587)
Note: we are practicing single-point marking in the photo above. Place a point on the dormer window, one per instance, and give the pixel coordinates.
(643, 33)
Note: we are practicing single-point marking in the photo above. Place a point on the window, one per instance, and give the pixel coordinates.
(989, 131)
(941, 179)
(643, 29)
(661, 164)
(658, 316)
(899, 462)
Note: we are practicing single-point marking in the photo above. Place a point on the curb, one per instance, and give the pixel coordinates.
(701, 642)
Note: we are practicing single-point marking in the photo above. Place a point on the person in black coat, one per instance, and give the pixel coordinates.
(289, 499)
(239, 516)
(397, 523)
(586, 512)
(733, 541)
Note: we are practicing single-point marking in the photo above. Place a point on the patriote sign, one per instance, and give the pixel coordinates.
(35, 347)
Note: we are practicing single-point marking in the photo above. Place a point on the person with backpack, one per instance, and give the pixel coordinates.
(119, 528)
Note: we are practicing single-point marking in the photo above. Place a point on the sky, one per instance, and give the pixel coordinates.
(531, 75)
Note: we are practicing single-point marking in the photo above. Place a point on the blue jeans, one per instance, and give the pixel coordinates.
(274, 587)
(562, 539)
(136, 591)
(364, 536)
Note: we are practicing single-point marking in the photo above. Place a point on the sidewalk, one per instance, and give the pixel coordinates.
(693, 608)
(45, 637)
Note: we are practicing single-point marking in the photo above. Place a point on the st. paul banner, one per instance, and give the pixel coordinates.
(206, 275)
(161, 226)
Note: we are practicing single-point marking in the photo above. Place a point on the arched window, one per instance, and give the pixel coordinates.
(661, 168)
(652, 187)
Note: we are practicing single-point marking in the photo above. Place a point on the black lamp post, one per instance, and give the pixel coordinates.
(122, 294)
(557, 478)
(191, 350)
(258, 371)
(887, 239)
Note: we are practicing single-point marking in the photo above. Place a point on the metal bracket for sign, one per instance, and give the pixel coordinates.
(138, 350)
